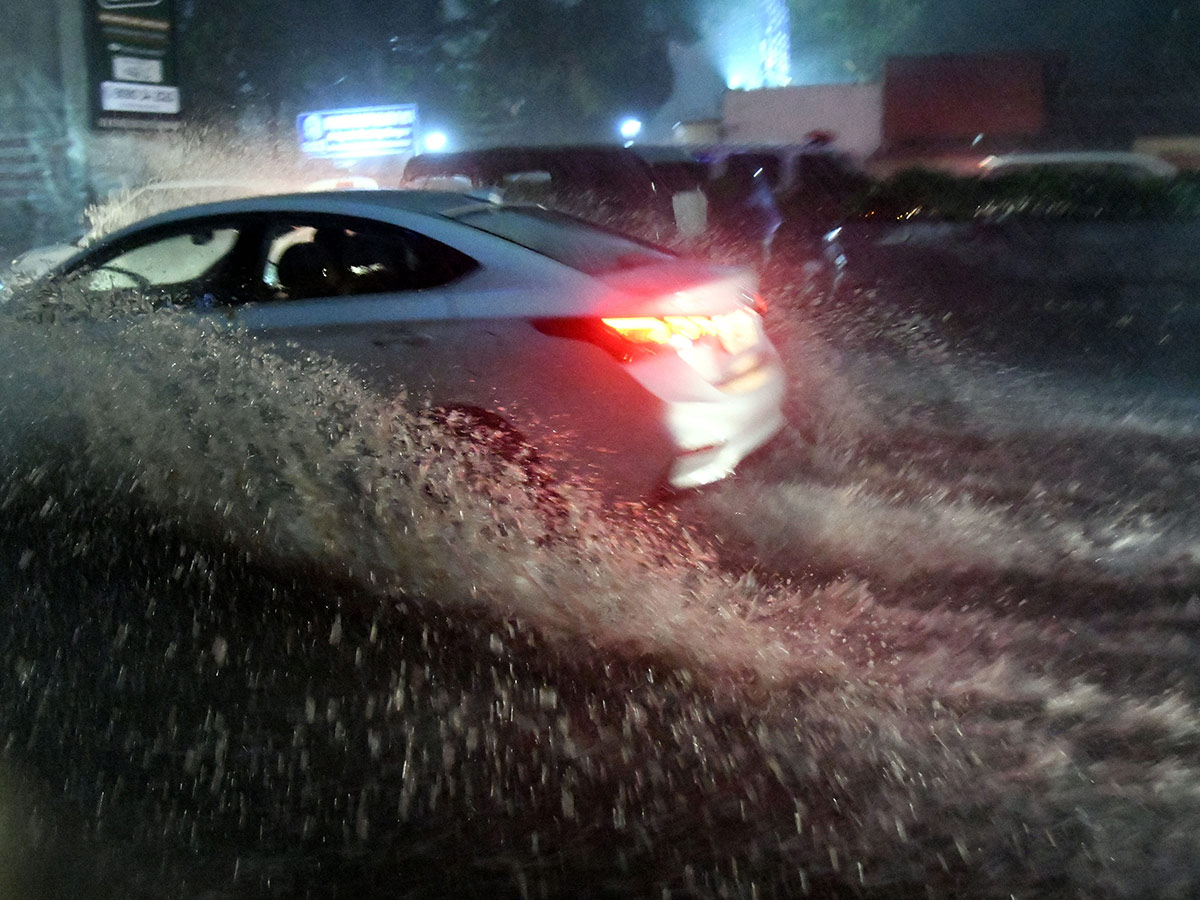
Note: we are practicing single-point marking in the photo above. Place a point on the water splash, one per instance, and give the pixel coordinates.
(271, 633)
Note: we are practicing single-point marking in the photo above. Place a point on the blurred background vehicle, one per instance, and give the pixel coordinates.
(1079, 161)
(780, 200)
(659, 186)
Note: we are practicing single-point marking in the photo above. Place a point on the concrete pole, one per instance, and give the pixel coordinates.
(73, 69)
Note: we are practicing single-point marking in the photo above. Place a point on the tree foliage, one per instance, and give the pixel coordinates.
(298, 53)
(562, 69)
(500, 69)
(863, 33)
(1045, 194)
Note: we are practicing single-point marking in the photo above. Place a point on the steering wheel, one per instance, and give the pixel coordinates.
(141, 282)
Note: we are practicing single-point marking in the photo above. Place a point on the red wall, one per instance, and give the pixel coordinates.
(945, 97)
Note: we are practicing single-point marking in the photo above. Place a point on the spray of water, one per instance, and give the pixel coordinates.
(263, 615)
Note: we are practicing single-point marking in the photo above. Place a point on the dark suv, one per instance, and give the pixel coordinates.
(660, 185)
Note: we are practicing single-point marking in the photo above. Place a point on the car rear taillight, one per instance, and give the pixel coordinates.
(755, 301)
(647, 330)
(734, 331)
(633, 337)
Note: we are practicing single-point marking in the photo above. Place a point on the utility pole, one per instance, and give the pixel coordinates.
(73, 72)
(43, 124)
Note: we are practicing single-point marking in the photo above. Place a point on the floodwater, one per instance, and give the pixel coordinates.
(266, 634)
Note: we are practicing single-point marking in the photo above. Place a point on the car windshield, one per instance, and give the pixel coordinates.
(566, 239)
(603, 449)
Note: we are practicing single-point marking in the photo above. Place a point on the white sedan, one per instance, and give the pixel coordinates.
(642, 368)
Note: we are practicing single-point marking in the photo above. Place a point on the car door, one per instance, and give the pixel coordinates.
(369, 294)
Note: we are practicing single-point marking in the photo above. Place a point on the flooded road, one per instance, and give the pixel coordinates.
(269, 635)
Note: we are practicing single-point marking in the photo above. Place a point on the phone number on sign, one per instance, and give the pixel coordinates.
(117, 96)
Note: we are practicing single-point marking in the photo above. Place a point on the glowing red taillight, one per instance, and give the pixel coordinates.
(756, 301)
(734, 331)
(667, 330)
(701, 340)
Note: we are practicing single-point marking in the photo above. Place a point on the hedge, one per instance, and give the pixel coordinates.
(1044, 193)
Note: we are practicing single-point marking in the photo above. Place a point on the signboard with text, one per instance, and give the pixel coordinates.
(358, 133)
(131, 59)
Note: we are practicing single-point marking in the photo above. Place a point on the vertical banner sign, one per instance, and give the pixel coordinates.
(131, 60)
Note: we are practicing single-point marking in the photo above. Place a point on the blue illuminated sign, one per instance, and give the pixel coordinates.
(358, 133)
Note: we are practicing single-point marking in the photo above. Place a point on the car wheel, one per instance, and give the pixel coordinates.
(486, 430)
(498, 438)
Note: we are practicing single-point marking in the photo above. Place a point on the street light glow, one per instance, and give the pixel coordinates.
(631, 128)
(436, 141)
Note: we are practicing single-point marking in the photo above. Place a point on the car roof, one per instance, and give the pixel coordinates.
(662, 153)
(780, 149)
(531, 151)
(578, 158)
(1152, 165)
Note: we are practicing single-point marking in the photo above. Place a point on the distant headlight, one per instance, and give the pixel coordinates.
(436, 141)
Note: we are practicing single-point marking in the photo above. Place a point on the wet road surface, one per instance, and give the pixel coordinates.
(267, 636)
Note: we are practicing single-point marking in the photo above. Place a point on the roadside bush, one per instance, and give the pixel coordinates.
(1078, 196)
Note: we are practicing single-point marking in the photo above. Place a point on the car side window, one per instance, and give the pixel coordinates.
(323, 256)
(177, 260)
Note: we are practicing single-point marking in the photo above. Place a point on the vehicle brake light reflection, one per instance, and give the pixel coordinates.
(755, 301)
(736, 331)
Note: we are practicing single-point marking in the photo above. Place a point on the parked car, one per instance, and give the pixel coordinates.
(781, 197)
(644, 369)
(784, 166)
(663, 183)
(1140, 165)
(1046, 217)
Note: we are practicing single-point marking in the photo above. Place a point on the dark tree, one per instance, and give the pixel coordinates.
(861, 33)
(499, 69)
(555, 70)
(294, 54)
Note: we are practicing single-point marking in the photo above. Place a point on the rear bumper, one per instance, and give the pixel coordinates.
(714, 436)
